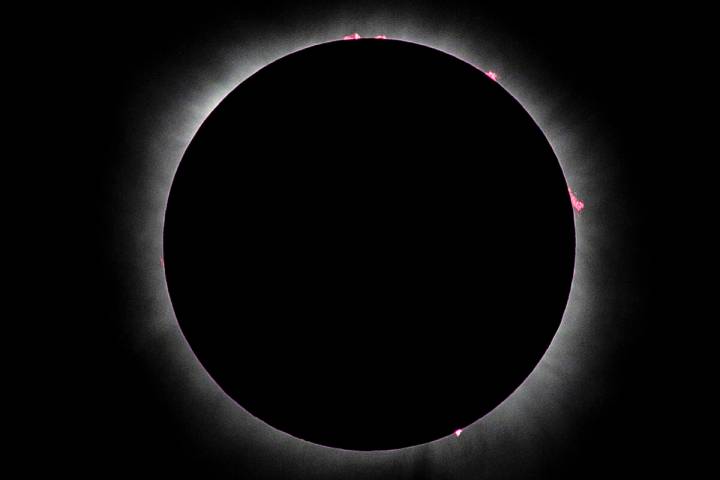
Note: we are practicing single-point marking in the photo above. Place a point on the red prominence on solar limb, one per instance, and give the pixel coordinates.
(356, 36)
(576, 203)
(492, 75)
(458, 432)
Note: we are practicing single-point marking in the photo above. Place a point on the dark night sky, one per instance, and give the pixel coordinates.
(115, 424)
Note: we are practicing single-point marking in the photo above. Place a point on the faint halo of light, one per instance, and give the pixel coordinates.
(538, 402)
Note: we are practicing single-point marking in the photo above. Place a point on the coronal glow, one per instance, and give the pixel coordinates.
(576, 203)
(168, 113)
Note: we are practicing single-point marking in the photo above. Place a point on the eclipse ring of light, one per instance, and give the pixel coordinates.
(370, 271)
(538, 417)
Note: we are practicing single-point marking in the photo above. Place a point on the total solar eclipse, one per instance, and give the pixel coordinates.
(369, 244)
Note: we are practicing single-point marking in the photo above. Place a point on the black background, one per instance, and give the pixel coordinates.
(105, 420)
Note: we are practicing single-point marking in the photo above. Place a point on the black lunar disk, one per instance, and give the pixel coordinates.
(369, 244)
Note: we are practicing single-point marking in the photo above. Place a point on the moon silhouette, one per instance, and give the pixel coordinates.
(369, 244)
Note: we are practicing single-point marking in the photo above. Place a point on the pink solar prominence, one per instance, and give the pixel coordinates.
(577, 204)
(356, 36)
